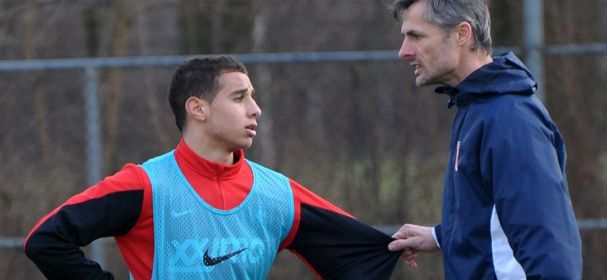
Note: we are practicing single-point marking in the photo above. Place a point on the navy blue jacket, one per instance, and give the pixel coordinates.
(506, 207)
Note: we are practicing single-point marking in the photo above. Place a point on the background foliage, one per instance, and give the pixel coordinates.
(360, 134)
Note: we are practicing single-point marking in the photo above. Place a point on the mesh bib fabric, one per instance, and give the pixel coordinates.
(193, 240)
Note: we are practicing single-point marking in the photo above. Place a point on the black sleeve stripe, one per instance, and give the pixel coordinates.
(339, 247)
(55, 246)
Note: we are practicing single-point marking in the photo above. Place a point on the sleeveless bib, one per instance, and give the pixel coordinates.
(193, 240)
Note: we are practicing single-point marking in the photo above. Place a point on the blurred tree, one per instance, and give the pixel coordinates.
(577, 101)
(360, 134)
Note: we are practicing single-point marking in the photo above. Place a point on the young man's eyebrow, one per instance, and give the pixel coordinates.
(242, 90)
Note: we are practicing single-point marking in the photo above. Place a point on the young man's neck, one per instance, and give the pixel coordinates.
(203, 149)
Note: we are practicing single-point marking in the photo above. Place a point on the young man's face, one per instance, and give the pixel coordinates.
(432, 55)
(232, 116)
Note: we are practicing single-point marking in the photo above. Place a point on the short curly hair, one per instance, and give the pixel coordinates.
(199, 77)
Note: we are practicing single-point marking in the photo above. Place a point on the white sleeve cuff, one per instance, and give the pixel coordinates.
(434, 237)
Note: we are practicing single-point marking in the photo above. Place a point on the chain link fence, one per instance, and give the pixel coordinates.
(65, 125)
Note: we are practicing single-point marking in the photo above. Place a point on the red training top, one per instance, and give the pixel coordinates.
(121, 206)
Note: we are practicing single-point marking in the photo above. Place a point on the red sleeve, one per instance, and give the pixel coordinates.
(334, 244)
(110, 208)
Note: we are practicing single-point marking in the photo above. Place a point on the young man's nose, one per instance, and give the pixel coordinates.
(254, 109)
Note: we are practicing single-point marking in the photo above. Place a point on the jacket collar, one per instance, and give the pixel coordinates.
(206, 168)
(505, 75)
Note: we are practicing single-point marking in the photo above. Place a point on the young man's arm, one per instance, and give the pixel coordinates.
(336, 245)
(109, 208)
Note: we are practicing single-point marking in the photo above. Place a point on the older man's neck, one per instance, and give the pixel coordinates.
(472, 62)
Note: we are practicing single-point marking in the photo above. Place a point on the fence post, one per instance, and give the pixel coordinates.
(533, 37)
(93, 141)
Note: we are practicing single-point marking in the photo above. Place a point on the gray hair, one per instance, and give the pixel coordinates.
(449, 13)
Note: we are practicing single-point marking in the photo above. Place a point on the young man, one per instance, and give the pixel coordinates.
(506, 208)
(202, 211)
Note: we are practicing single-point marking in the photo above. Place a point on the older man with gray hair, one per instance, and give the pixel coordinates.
(506, 208)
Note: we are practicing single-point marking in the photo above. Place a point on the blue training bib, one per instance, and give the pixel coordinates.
(193, 240)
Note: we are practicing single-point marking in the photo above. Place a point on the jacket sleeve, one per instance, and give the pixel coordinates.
(437, 235)
(336, 245)
(524, 161)
(109, 208)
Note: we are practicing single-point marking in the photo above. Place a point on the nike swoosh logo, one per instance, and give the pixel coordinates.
(208, 261)
(177, 214)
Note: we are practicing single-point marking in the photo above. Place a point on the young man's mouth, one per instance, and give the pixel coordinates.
(251, 129)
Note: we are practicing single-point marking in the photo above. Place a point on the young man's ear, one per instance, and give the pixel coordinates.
(197, 108)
